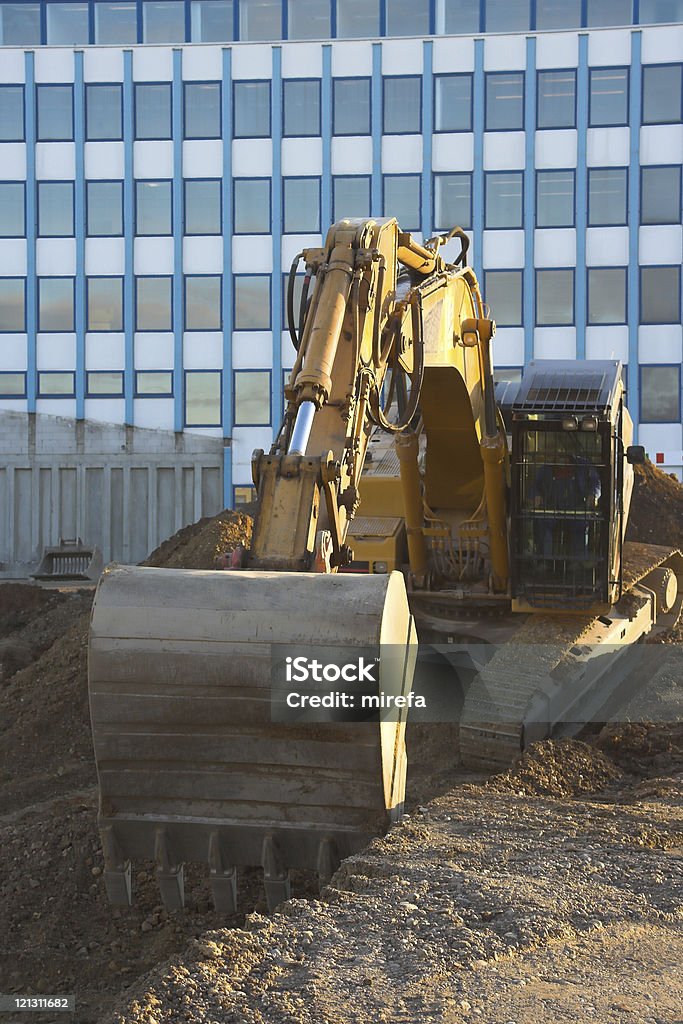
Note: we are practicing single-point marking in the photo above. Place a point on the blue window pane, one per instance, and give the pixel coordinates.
(607, 194)
(55, 113)
(660, 394)
(252, 302)
(203, 303)
(12, 385)
(203, 110)
(663, 11)
(104, 384)
(663, 94)
(252, 397)
(504, 199)
(153, 213)
(503, 293)
(554, 199)
(251, 210)
(453, 103)
(554, 297)
(660, 195)
(56, 385)
(212, 21)
(301, 205)
(104, 205)
(357, 19)
(261, 19)
(203, 398)
(402, 106)
(105, 304)
(55, 304)
(609, 12)
(163, 21)
(457, 17)
(607, 295)
(452, 201)
(116, 22)
(251, 110)
(12, 215)
(103, 112)
(153, 310)
(19, 24)
(402, 200)
(301, 105)
(351, 196)
(351, 106)
(202, 207)
(408, 18)
(153, 111)
(308, 19)
(55, 209)
(67, 24)
(556, 99)
(507, 15)
(608, 96)
(660, 295)
(11, 113)
(505, 101)
(154, 383)
(552, 15)
(12, 303)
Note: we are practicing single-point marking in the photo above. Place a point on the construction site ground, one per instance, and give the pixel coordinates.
(550, 893)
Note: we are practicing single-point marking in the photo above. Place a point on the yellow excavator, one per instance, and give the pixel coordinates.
(402, 497)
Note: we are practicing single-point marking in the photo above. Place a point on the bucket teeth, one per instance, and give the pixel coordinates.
(117, 871)
(328, 860)
(170, 873)
(275, 874)
(223, 878)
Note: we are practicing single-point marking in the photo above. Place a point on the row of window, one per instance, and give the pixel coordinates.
(177, 21)
(660, 300)
(607, 296)
(351, 105)
(555, 206)
(660, 391)
(202, 391)
(56, 303)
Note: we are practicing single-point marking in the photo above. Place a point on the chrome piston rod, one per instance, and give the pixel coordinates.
(302, 429)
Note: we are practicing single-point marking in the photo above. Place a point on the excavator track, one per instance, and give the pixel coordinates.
(519, 696)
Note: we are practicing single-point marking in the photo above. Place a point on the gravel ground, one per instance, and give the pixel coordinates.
(454, 914)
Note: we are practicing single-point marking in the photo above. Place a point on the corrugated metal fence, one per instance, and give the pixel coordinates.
(124, 489)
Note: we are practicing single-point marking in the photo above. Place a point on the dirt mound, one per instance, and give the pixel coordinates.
(656, 515)
(558, 768)
(45, 744)
(21, 602)
(640, 747)
(196, 546)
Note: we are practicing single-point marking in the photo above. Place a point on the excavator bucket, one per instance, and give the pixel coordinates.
(70, 560)
(193, 764)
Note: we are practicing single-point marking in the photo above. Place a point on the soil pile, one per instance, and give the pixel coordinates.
(558, 768)
(198, 545)
(656, 515)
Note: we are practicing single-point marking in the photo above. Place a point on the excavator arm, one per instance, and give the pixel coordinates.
(193, 764)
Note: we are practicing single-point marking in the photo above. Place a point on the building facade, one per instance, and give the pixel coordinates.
(163, 161)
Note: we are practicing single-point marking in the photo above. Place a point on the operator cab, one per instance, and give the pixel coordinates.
(567, 421)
